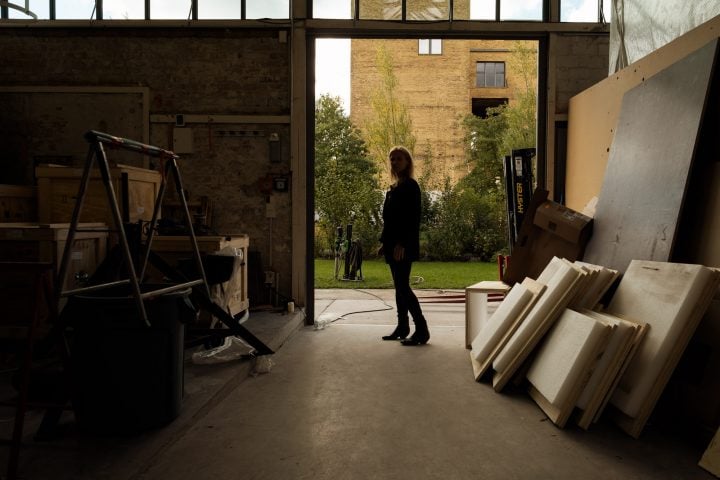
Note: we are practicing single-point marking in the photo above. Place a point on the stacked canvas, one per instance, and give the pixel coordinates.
(503, 322)
(671, 298)
(579, 363)
(578, 359)
(578, 283)
(561, 279)
(565, 362)
(622, 345)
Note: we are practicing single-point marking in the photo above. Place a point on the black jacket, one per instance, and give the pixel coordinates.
(401, 220)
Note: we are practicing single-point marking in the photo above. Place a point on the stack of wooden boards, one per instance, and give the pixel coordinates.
(578, 357)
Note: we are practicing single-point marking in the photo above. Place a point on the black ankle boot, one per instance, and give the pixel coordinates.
(420, 337)
(398, 334)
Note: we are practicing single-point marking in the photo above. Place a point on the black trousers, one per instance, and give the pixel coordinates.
(405, 298)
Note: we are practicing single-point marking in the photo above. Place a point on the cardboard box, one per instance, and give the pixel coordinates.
(549, 230)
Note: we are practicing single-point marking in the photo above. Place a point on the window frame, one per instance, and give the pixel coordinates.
(485, 74)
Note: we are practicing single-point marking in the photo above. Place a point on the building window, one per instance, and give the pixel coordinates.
(480, 106)
(490, 74)
(430, 46)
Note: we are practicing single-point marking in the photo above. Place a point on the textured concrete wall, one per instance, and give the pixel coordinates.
(580, 62)
(188, 71)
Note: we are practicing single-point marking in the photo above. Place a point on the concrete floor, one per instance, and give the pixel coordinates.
(339, 403)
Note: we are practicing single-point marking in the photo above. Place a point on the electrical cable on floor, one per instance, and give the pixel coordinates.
(320, 324)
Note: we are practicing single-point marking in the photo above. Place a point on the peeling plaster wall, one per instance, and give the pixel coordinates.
(187, 71)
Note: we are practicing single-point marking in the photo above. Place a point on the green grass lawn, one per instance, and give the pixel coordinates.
(435, 275)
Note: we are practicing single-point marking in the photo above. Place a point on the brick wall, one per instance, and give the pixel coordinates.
(436, 89)
(580, 62)
(188, 71)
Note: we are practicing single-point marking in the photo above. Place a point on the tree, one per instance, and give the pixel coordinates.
(471, 218)
(346, 187)
(391, 124)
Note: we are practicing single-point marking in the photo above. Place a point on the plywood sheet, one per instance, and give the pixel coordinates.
(650, 159)
(593, 113)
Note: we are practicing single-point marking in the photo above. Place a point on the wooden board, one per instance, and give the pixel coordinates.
(649, 165)
(593, 113)
(511, 312)
(672, 299)
(560, 290)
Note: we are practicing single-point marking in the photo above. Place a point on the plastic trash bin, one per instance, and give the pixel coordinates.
(127, 377)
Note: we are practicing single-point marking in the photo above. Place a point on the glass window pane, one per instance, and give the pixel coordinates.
(423, 46)
(436, 46)
(384, 10)
(74, 9)
(41, 8)
(579, 10)
(482, 9)
(520, 9)
(427, 9)
(480, 74)
(489, 74)
(170, 9)
(123, 9)
(340, 9)
(607, 10)
(267, 9)
(218, 9)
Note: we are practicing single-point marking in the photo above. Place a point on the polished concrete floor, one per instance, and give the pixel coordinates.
(339, 403)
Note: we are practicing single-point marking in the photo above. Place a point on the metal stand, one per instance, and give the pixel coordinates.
(168, 160)
(96, 153)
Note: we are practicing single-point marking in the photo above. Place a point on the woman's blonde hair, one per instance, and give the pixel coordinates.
(410, 170)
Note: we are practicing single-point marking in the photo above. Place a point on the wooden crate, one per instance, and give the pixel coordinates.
(233, 294)
(136, 190)
(18, 203)
(46, 243)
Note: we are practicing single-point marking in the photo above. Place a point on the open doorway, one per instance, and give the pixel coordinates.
(459, 105)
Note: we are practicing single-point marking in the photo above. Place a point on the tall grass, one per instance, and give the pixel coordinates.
(434, 275)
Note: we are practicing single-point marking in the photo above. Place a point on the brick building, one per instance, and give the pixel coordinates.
(439, 81)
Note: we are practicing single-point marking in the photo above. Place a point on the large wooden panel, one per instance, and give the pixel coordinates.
(650, 161)
(593, 114)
